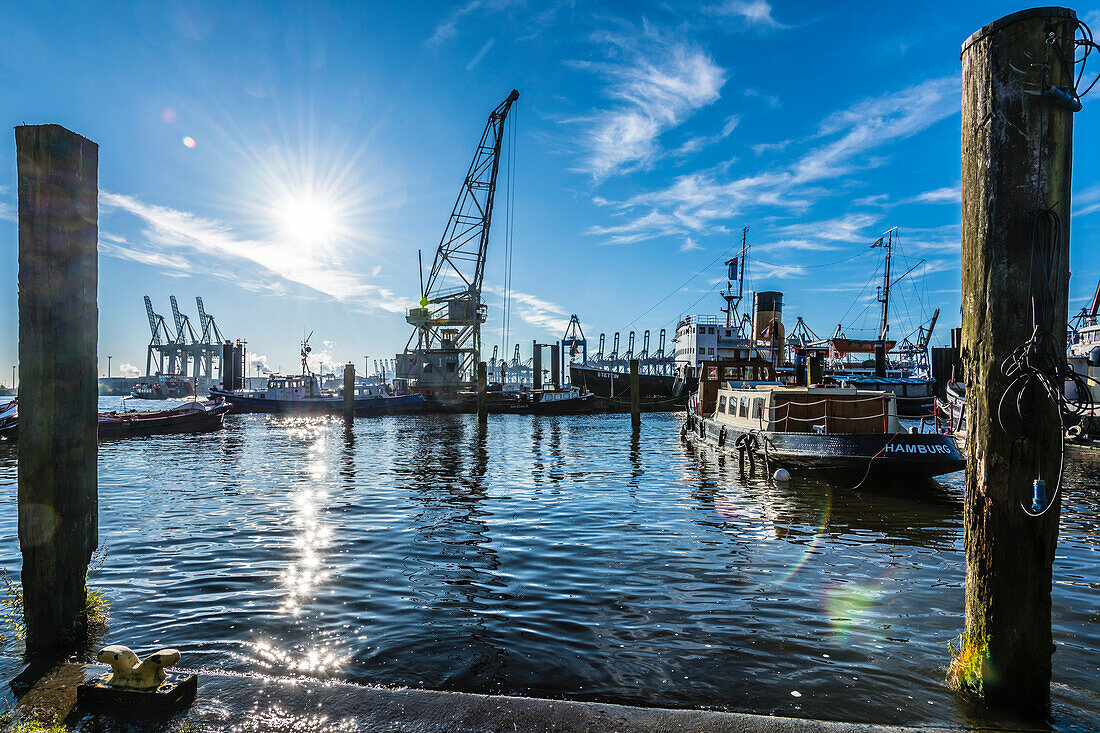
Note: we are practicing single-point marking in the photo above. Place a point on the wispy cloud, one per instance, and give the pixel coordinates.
(448, 27)
(535, 310)
(480, 55)
(945, 195)
(689, 245)
(172, 239)
(775, 270)
(1087, 201)
(851, 227)
(656, 82)
(698, 142)
(752, 12)
(847, 142)
(769, 99)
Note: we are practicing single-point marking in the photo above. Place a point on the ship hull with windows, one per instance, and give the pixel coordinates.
(303, 395)
(611, 388)
(849, 434)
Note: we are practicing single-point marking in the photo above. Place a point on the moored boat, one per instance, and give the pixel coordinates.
(191, 417)
(303, 394)
(849, 433)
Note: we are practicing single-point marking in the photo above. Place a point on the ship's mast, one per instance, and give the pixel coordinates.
(886, 241)
(733, 301)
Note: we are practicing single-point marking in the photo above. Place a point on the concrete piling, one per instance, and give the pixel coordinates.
(349, 392)
(1016, 155)
(58, 331)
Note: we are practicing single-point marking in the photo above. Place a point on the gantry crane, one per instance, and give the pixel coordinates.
(445, 345)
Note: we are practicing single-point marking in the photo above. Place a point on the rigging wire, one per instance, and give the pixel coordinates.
(678, 289)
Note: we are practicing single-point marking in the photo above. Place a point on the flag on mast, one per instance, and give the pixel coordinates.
(732, 264)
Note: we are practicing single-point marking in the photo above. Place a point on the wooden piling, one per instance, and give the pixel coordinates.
(58, 330)
(1016, 154)
(635, 394)
(482, 388)
(349, 392)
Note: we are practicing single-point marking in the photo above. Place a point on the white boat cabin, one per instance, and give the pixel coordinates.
(739, 395)
(297, 387)
(775, 408)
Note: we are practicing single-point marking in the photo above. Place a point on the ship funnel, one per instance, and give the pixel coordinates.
(767, 321)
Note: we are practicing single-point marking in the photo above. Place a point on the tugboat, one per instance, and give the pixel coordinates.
(847, 432)
(171, 387)
(303, 394)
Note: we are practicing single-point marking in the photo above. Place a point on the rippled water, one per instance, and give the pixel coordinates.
(560, 557)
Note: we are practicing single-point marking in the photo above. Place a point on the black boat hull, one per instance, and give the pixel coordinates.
(659, 392)
(844, 456)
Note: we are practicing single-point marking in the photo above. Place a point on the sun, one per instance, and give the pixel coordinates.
(305, 218)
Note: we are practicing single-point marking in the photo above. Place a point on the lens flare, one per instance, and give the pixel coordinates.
(189, 142)
(815, 543)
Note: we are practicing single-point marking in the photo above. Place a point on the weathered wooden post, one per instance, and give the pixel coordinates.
(58, 330)
(1016, 153)
(349, 392)
(482, 387)
(635, 394)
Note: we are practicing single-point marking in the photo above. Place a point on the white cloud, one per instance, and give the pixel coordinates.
(773, 270)
(1087, 201)
(769, 99)
(850, 227)
(803, 244)
(171, 237)
(448, 27)
(126, 369)
(696, 202)
(7, 212)
(874, 122)
(540, 313)
(480, 55)
(698, 142)
(329, 344)
(657, 83)
(259, 363)
(945, 195)
(753, 12)
(689, 245)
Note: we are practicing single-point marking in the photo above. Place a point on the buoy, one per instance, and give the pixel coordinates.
(782, 475)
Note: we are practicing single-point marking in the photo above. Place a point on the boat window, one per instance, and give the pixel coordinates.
(722, 403)
(710, 330)
(427, 366)
(743, 411)
(758, 408)
(451, 366)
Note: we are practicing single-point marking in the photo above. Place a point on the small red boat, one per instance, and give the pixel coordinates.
(191, 417)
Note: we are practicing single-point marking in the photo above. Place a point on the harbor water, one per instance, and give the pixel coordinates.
(559, 557)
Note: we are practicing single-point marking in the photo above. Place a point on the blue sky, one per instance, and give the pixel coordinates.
(286, 160)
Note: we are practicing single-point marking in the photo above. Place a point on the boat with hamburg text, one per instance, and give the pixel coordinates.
(851, 434)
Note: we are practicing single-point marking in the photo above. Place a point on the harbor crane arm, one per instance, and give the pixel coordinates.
(155, 322)
(466, 238)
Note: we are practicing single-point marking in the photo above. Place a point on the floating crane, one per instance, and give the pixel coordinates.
(445, 345)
